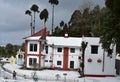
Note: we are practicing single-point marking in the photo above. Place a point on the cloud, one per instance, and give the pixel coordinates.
(14, 24)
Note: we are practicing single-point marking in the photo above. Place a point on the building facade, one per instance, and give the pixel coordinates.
(64, 53)
(97, 62)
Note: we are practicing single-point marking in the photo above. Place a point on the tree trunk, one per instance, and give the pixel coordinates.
(52, 19)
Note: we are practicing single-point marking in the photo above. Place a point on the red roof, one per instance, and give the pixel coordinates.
(41, 33)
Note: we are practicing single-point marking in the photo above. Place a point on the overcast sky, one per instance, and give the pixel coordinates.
(15, 25)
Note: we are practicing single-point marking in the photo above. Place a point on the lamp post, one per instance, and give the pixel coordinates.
(65, 74)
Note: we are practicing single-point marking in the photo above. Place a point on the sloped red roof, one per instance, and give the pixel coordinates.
(41, 33)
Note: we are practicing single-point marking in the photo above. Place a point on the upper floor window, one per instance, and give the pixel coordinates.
(59, 49)
(72, 50)
(46, 48)
(94, 49)
(33, 47)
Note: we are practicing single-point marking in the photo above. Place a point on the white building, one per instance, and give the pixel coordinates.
(64, 53)
(101, 64)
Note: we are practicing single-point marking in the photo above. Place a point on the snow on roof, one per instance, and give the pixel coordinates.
(62, 41)
(66, 41)
(92, 40)
(33, 38)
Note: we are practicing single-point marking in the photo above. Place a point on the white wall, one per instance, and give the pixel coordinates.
(48, 57)
(94, 67)
(58, 56)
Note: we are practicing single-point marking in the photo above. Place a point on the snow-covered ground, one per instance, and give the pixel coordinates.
(49, 76)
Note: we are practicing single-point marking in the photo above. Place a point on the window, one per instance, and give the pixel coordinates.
(46, 48)
(50, 61)
(46, 60)
(80, 49)
(58, 62)
(71, 64)
(32, 61)
(94, 49)
(72, 50)
(59, 49)
(33, 47)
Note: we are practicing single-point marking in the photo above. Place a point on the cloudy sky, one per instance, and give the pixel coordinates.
(15, 25)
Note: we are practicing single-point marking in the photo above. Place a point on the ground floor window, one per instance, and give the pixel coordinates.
(58, 62)
(46, 60)
(50, 60)
(32, 61)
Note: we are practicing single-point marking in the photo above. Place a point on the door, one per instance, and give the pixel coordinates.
(71, 64)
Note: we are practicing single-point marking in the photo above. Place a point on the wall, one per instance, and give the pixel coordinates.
(106, 67)
(58, 56)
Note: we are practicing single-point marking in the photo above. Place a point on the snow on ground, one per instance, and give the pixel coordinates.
(50, 76)
(42, 73)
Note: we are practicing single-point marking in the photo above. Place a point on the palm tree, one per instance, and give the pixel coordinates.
(34, 8)
(44, 15)
(53, 2)
(28, 12)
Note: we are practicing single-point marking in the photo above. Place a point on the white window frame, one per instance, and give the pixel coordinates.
(31, 64)
(37, 61)
(33, 52)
